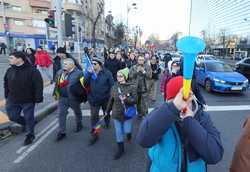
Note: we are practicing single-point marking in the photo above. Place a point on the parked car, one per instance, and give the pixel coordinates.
(220, 77)
(203, 57)
(243, 67)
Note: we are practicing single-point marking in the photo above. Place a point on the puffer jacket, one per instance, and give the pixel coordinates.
(42, 59)
(127, 89)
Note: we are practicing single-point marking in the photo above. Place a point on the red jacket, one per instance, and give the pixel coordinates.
(43, 59)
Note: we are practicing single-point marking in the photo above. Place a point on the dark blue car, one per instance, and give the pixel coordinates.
(220, 77)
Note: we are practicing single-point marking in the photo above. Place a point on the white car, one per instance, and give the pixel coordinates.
(204, 57)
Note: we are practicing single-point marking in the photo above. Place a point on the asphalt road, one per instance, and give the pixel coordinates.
(74, 155)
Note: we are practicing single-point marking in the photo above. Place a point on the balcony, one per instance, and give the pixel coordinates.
(40, 3)
(73, 7)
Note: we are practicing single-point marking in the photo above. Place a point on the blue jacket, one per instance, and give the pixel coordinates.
(100, 88)
(73, 78)
(159, 132)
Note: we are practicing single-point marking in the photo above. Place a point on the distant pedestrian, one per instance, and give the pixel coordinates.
(23, 86)
(241, 158)
(66, 80)
(123, 95)
(112, 63)
(155, 77)
(3, 48)
(120, 58)
(44, 63)
(177, 140)
(99, 94)
(58, 60)
(140, 74)
(31, 56)
(131, 61)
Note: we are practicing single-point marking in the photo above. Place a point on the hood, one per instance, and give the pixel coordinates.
(228, 76)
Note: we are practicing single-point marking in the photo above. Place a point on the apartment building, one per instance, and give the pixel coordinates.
(26, 26)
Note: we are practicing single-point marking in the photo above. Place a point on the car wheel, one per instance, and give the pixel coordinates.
(208, 85)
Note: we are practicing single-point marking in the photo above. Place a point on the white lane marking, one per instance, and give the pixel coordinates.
(228, 108)
(20, 150)
(35, 145)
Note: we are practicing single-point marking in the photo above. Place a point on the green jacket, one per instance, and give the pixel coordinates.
(115, 103)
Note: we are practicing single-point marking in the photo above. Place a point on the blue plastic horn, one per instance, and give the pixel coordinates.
(190, 46)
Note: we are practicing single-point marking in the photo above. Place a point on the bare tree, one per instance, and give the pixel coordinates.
(100, 7)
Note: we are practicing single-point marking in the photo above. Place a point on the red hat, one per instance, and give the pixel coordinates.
(173, 87)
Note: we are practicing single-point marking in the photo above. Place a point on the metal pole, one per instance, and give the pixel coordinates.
(190, 16)
(5, 28)
(78, 38)
(59, 23)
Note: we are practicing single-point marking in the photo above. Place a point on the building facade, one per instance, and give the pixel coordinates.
(26, 27)
(229, 22)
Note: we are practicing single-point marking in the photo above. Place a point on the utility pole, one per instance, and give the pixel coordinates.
(5, 26)
(59, 23)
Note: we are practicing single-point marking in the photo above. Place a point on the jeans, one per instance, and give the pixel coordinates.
(63, 105)
(122, 128)
(28, 120)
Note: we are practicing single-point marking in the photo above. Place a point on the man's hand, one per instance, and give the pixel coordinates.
(179, 102)
(90, 70)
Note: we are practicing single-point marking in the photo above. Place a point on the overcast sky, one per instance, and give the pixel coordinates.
(162, 17)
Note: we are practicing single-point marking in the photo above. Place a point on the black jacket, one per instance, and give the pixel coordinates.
(113, 65)
(155, 71)
(57, 64)
(23, 84)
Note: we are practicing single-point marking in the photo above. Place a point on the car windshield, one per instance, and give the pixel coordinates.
(209, 58)
(218, 67)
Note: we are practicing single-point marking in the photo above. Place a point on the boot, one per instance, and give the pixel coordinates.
(29, 139)
(129, 137)
(120, 151)
(60, 136)
(94, 138)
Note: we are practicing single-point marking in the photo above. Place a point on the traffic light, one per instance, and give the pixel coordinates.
(69, 31)
(51, 18)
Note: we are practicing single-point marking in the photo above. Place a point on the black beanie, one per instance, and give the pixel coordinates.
(19, 54)
(61, 50)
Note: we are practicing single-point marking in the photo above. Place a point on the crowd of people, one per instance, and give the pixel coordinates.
(122, 85)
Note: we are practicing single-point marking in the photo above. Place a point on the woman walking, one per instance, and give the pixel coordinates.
(122, 103)
(44, 63)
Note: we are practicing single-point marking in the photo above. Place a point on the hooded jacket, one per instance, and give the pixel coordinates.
(42, 59)
(196, 143)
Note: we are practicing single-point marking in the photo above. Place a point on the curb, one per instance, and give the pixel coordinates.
(39, 116)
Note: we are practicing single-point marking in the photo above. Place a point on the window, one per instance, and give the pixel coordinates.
(18, 22)
(16, 8)
(75, 1)
(40, 11)
(247, 61)
(39, 23)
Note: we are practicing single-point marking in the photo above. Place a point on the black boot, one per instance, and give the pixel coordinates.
(129, 137)
(29, 139)
(94, 138)
(120, 151)
(60, 136)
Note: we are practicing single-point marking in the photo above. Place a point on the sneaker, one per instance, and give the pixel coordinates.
(29, 139)
(60, 136)
(78, 128)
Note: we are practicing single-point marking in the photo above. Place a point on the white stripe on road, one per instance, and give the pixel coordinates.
(35, 145)
(20, 150)
(228, 108)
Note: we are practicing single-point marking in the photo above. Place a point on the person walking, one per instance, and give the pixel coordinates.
(66, 80)
(177, 140)
(58, 60)
(131, 61)
(112, 64)
(141, 74)
(123, 96)
(31, 56)
(155, 77)
(241, 160)
(3, 48)
(23, 88)
(99, 94)
(44, 63)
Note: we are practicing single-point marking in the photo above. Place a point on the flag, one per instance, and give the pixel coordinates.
(86, 65)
